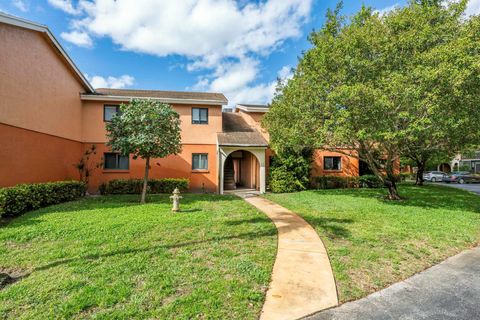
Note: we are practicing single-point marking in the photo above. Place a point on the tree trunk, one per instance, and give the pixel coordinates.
(145, 180)
(420, 171)
(392, 189)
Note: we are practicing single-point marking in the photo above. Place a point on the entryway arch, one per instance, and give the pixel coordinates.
(241, 167)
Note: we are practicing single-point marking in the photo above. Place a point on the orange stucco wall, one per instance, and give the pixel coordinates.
(179, 166)
(196, 138)
(350, 165)
(94, 127)
(29, 157)
(37, 90)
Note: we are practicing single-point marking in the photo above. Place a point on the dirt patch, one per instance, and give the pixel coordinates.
(7, 277)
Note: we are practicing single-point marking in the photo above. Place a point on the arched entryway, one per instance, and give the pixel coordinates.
(241, 171)
(241, 168)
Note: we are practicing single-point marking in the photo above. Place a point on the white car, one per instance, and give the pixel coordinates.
(434, 176)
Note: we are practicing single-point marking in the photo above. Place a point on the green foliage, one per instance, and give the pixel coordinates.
(395, 85)
(465, 167)
(370, 181)
(282, 180)
(146, 129)
(335, 182)
(365, 181)
(290, 171)
(17, 200)
(134, 186)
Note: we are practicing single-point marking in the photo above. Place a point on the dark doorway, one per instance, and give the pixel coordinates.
(241, 171)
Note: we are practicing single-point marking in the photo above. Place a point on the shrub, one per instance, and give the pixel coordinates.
(403, 176)
(283, 181)
(335, 182)
(17, 200)
(290, 170)
(370, 181)
(134, 186)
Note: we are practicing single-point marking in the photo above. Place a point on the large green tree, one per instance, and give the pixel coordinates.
(384, 85)
(147, 129)
(443, 78)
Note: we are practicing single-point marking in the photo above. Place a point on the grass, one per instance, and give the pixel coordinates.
(373, 242)
(111, 258)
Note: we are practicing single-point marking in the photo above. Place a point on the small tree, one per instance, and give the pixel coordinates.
(147, 129)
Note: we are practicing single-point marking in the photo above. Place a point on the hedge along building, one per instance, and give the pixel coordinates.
(50, 115)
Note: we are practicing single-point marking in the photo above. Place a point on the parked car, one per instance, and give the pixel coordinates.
(434, 176)
(462, 177)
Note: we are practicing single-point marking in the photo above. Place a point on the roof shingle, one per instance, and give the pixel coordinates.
(237, 132)
(181, 95)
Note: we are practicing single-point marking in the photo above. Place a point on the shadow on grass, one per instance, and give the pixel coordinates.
(114, 202)
(125, 251)
(428, 196)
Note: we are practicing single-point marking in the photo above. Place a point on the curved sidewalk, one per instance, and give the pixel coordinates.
(302, 280)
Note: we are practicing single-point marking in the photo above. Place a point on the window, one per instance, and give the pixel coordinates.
(200, 161)
(200, 115)
(332, 163)
(109, 111)
(115, 161)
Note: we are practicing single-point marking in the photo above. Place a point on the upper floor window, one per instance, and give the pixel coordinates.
(109, 111)
(332, 163)
(200, 161)
(200, 115)
(115, 161)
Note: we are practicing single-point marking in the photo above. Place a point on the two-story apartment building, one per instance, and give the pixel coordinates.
(50, 115)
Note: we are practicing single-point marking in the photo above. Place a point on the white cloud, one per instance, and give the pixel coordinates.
(261, 93)
(111, 82)
(473, 7)
(235, 81)
(79, 38)
(203, 29)
(20, 5)
(225, 39)
(66, 6)
(386, 10)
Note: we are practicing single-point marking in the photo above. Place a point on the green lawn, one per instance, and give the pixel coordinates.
(111, 258)
(373, 242)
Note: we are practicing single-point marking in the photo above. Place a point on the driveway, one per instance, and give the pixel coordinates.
(449, 290)
(469, 187)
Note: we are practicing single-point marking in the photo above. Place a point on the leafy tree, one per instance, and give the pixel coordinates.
(147, 129)
(379, 84)
(290, 170)
(444, 81)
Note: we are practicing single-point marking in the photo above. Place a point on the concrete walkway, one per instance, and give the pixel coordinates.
(302, 279)
(449, 290)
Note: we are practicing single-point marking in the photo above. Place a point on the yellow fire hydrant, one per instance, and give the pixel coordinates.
(176, 200)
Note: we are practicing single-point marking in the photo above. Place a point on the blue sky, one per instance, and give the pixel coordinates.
(235, 47)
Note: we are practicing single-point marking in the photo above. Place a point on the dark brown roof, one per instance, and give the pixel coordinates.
(237, 132)
(163, 94)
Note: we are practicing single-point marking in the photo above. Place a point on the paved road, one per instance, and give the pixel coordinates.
(449, 290)
(469, 187)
